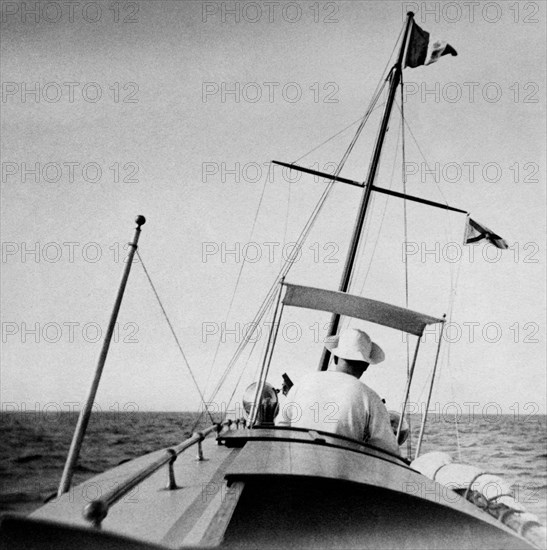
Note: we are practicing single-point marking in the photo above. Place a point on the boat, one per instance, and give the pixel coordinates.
(257, 484)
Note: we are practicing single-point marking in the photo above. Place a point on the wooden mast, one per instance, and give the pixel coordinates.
(373, 169)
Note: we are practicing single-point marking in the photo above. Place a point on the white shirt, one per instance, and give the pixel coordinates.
(339, 403)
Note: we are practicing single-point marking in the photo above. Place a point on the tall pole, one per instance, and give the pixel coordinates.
(365, 199)
(85, 413)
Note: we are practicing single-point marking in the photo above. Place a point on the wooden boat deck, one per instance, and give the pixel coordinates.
(151, 512)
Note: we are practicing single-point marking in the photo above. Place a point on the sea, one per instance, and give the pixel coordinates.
(34, 446)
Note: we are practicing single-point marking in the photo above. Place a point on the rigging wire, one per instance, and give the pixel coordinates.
(405, 226)
(239, 275)
(422, 153)
(198, 420)
(446, 212)
(287, 212)
(400, 135)
(448, 348)
(264, 308)
(328, 139)
(376, 240)
(236, 386)
(361, 255)
(174, 336)
(454, 277)
(306, 230)
(377, 91)
(380, 226)
(298, 245)
(366, 228)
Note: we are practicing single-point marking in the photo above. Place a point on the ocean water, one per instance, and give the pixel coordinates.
(34, 447)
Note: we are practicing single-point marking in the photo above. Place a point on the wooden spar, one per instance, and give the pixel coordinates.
(332, 177)
(417, 199)
(85, 413)
(373, 169)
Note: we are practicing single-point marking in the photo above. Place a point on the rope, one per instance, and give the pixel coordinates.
(174, 336)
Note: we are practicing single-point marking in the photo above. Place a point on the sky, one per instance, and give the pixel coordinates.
(173, 110)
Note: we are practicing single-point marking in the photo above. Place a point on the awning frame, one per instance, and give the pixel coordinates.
(348, 305)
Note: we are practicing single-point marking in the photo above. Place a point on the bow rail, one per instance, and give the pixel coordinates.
(98, 509)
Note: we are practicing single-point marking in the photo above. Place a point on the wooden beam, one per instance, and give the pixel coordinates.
(316, 173)
(417, 199)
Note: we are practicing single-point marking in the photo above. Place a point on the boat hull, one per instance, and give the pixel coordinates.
(275, 488)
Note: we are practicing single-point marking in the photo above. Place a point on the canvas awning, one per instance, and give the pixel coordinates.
(366, 309)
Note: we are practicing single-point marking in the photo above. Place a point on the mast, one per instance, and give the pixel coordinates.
(396, 73)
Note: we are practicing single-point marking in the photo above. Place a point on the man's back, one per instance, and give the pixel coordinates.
(339, 403)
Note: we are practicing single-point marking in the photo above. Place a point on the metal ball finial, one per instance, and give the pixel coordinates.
(140, 220)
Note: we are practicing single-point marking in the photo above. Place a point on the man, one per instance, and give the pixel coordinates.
(336, 401)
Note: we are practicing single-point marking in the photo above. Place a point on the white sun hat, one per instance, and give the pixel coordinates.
(355, 344)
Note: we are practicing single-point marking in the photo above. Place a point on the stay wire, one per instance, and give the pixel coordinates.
(376, 240)
(453, 278)
(328, 139)
(174, 336)
(405, 230)
(445, 358)
(239, 276)
(198, 420)
(446, 213)
(294, 252)
(377, 91)
(287, 214)
(243, 370)
(264, 307)
(421, 153)
(302, 237)
(453, 292)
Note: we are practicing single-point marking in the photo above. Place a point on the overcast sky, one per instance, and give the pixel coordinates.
(174, 109)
